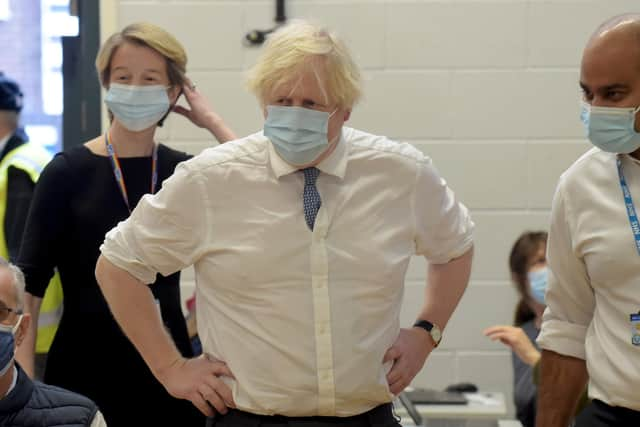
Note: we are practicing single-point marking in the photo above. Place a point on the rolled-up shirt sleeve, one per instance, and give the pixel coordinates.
(444, 229)
(569, 296)
(166, 232)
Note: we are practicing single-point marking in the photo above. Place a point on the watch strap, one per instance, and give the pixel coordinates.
(428, 326)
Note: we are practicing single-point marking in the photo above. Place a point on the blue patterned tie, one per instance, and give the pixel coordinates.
(310, 196)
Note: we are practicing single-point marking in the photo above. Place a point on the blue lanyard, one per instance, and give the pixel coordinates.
(628, 202)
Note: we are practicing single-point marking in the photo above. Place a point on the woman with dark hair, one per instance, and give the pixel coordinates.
(529, 273)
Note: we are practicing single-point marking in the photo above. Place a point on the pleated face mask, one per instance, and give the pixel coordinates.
(137, 107)
(7, 345)
(611, 129)
(299, 135)
(538, 280)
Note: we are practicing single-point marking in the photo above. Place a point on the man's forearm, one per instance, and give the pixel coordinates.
(446, 285)
(135, 310)
(562, 382)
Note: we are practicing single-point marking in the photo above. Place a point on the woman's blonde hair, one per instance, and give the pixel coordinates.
(299, 46)
(151, 36)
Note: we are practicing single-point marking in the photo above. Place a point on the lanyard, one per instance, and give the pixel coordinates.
(628, 202)
(117, 172)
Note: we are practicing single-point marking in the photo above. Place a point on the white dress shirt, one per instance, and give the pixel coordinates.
(302, 318)
(594, 283)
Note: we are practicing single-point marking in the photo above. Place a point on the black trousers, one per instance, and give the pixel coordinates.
(380, 416)
(599, 414)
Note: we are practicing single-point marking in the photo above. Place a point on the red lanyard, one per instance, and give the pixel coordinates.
(117, 171)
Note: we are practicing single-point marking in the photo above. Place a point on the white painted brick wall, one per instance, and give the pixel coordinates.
(488, 89)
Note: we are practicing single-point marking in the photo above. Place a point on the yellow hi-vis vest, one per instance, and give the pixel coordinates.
(32, 159)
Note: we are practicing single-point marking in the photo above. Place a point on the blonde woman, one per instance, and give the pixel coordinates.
(83, 193)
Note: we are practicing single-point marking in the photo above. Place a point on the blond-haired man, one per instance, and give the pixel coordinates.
(300, 235)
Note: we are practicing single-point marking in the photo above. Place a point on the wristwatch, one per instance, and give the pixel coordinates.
(432, 329)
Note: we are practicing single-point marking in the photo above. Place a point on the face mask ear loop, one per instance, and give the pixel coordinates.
(17, 325)
(161, 121)
(633, 121)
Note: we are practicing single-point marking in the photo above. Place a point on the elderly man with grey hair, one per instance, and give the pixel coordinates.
(24, 402)
(591, 327)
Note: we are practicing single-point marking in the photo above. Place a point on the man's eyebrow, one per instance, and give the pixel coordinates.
(614, 86)
(307, 99)
(607, 87)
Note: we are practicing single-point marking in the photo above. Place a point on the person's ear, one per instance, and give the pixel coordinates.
(347, 115)
(21, 333)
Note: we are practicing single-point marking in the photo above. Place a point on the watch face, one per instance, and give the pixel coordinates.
(436, 334)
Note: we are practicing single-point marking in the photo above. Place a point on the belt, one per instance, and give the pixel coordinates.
(619, 411)
(379, 416)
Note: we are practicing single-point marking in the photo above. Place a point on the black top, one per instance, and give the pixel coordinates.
(524, 389)
(19, 194)
(76, 202)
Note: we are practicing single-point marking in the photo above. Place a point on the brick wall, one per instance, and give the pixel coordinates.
(20, 51)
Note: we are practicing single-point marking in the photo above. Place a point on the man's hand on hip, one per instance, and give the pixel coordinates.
(408, 353)
(198, 380)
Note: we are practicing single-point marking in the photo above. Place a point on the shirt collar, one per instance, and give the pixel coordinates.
(335, 164)
(3, 141)
(13, 382)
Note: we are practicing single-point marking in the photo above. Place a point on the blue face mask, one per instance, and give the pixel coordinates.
(137, 107)
(299, 135)
(611, 129)
(7, 346)
(538, 283)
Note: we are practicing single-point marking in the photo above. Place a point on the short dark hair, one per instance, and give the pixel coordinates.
(10, 94)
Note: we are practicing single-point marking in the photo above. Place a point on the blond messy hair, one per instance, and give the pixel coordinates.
(299, 46)
(151, 36)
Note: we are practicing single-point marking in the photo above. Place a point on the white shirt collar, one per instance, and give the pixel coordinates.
(14, 381)
(3, 141)
(335, 164)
